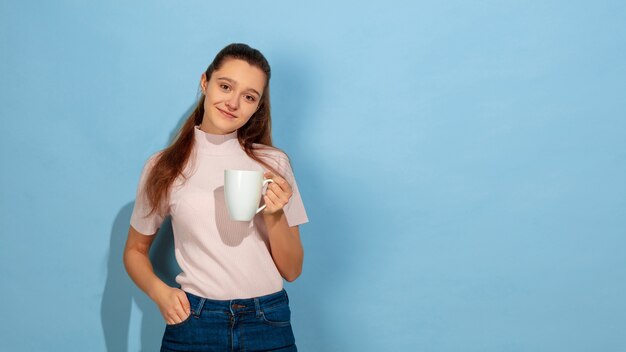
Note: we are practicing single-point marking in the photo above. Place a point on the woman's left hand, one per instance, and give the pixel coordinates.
(277, 195)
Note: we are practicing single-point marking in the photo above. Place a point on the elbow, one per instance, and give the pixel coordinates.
(292, 276)
(293, 270)
(130, 257)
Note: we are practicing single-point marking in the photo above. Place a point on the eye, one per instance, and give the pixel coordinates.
(250, 98)
(225, 87)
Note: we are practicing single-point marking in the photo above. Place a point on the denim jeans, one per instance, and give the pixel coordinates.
(254, 324)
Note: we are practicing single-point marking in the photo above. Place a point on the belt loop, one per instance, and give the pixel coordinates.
(257, 307)
(199, 307)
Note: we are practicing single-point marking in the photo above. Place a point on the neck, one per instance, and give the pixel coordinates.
(217, 144)
(212, 130)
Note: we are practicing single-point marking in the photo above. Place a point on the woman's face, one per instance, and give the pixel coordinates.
(232, 95)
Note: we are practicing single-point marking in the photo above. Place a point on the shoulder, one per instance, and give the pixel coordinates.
(152, 160)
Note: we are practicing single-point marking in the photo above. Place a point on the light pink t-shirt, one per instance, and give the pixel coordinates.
(220, 258)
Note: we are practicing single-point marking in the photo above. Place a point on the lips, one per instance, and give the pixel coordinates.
(230, 116)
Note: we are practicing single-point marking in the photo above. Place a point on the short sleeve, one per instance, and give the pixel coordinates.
(140, 220)
(294, 209)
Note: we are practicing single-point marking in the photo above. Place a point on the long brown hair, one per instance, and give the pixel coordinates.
(172, 160)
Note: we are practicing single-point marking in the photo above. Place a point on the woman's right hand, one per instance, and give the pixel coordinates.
(173, 304)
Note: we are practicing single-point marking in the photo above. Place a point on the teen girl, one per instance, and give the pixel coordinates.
(230, 295)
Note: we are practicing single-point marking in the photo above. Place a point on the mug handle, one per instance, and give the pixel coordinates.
(269, 180)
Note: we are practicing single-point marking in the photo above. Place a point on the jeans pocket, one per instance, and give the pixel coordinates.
(277, 316)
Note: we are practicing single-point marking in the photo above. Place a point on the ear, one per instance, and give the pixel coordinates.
(203, 82)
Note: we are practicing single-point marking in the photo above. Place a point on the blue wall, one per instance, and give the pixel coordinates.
(462, 164)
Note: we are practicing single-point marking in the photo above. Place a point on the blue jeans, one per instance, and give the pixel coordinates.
(254, 324)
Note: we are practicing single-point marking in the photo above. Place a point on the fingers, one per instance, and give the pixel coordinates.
(184, 307)
(177, 316)
(280, 187)
(278, 181)
(184, 303)
(277, 194)
(269, 202)
(181, 315)
(275, 200)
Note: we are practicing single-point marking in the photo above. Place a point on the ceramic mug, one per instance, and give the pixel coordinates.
(242, 192)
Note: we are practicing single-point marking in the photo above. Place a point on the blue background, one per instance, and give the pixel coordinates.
(462, 164)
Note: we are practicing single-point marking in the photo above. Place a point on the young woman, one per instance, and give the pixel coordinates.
(231, 295)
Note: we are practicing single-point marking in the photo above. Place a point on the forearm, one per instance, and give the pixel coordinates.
(286, 248)
(140, 270)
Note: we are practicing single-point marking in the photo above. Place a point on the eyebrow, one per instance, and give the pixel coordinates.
(235, 82)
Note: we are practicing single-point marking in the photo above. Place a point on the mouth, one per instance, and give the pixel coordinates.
(227, 115)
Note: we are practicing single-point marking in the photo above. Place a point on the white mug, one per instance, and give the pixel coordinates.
(242, 192)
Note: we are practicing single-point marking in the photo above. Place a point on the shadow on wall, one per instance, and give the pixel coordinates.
(120, 291)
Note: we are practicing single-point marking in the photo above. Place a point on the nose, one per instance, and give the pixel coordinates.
(232, 102)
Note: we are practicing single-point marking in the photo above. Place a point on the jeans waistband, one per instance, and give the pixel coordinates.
(237, 306)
